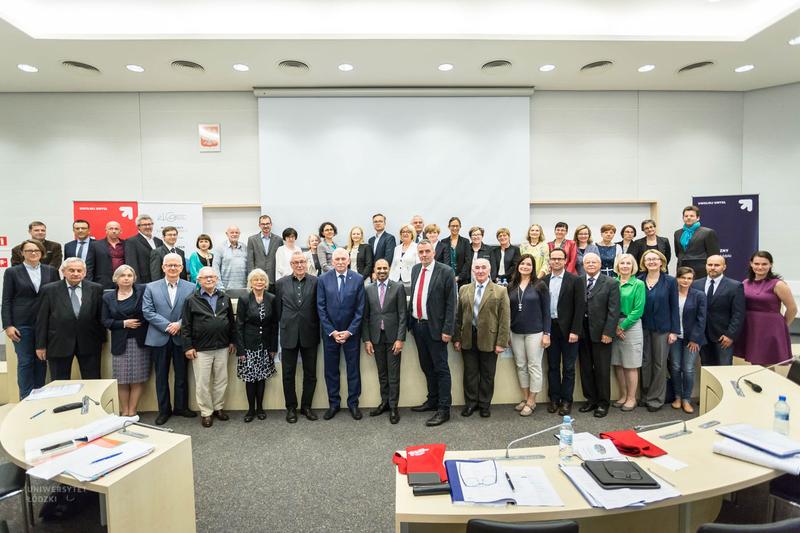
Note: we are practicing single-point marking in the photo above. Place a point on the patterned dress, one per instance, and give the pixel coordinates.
(258, 364)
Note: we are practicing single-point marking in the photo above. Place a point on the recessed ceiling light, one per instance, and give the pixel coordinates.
(795, 41)
(241, 67)
(445, 67)
(27, 68)
(135, 68)
(547, 68)
(646, 68)
(346, 67)
(744, 68)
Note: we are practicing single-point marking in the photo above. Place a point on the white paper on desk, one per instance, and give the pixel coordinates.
(33, 447)
(85, 470)
(59, 464)
(54, 391)
(103, 426)
(743, 452)
(670, 463)
(616, 498)
(599, 450)
(532, 487)
(763, 439)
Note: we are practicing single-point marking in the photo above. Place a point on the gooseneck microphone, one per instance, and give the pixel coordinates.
(755, 386)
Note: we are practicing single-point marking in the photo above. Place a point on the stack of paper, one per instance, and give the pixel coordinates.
(597, 496)
(743, 452)
(763, 439)
(90, 462)
(590, 448)
(54, 391)
(103, 426)
(40, 448)
(485, 482)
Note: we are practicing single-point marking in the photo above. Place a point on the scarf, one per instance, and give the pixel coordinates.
(688, 231)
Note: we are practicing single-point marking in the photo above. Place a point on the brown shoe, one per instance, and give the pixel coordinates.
(552, 407)
(676, 404)
(687, 407)
(565, 409)
(206, 421)
(221, 415)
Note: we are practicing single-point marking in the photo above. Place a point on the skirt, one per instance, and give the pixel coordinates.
(257, 365)
(133, 366)
(627, 352)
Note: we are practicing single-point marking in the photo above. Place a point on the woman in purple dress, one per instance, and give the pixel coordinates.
(765, 337)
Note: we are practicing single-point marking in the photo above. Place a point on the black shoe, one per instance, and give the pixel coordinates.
(161, 419)
(485, 412)
(221, 415)
(424, 407)
(291, 415)
(565, 409)
(330, 413)
(468, 410)
(309, 414)
(438, 419)
(394, 416)
(261, 414)
(600, 412)
(186, 413)
(585, 408)
(552, 407)
(653, 409)
(382, 408)
(249, 416)
(355, 412)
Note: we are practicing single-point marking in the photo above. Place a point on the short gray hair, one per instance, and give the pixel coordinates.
(256, 273)
(592, 255)
(480, 261)
(172, 255)
(70, 260)
(143, 217)
(121, 270)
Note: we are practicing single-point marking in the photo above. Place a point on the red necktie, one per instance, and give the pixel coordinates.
(419, 293)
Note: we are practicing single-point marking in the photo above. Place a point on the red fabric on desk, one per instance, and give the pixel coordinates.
(422, 458)
(628, 442)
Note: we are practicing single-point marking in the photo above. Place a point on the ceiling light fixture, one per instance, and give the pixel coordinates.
(646, 68)
(744, 68)
(346, 67)
(445, 67)
(27, 68)
(794, 41)
(240, 67)
(547, 68)
(135, 68)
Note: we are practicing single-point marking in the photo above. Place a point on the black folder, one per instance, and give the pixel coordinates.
(620, 475)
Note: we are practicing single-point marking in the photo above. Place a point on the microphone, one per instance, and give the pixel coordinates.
(755, 386)
(678, 433)
(537, 456)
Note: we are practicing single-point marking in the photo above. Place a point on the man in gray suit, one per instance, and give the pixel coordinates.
(384, 331)
(261, 249)
(162, 305)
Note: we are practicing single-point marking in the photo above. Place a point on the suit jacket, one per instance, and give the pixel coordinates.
(157, 257)
(364, 261)
(114, 319)
(725, 310)
(703, 243)
(442, 255)
(20, 300)
(484, 252)
(494, 317)
(602, 305)
(159, 313)
(510, 260)
(340, 311)
(385, 248)
(57, 329)
(137, 255)
(298, 322)
(694, 317)
(639, 247)
(392, 314)
(571, 304)
(441, 303)
(103, 268)
(661, 311)
(52, 254)
(258, 257)
(71, 250)
(253, 331)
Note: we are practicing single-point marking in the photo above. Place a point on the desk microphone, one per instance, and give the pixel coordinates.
(755, 386)
(680, 432)
(557, 426)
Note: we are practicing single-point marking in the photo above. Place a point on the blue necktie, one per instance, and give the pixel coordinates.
(341, 285)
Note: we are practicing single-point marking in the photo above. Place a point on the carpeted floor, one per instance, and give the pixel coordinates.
(337, 475)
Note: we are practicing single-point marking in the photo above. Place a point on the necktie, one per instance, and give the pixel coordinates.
(79, 253)
(172, 250)
(420, 288)
(477, 304)
(589, 286)
(710, 293)
(381, 295)
(341, 283)
(73, 298)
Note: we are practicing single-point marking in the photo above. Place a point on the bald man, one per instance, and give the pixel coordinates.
(230, 261)
(725, 307)
(109, 255)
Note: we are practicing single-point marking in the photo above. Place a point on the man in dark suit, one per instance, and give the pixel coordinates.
(695, 243)
(82, 247)
(261, 249)
(162, 305)
(139, 248)
(599, 326)
(170, 234)
(432, 319)
(340, 304)
(296, 301)
(109, 255)
(567, 309)
(383, 243)
(725, 312)
(419, 224)
(22, 286)
(384, 332)
(52, 250)
(69, 323)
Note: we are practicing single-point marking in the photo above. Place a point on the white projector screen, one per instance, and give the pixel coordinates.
(342, 159)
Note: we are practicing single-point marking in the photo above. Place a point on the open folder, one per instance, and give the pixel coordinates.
(485, 482)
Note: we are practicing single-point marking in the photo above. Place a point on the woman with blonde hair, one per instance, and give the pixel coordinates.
(626, 352)
(405, 256)
(360, 252)
(535, 245)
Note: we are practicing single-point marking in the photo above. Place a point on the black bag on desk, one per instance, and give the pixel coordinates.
(620, 475)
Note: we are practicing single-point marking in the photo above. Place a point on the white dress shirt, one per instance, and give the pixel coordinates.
(717, 281)
(35, 273)
(423, 288)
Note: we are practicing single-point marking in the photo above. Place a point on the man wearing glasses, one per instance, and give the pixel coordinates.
(139, 248)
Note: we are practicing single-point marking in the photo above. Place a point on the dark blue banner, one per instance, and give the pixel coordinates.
(735, 219)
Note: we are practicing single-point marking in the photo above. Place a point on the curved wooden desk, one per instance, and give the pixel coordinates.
(702, 484)
(154, 493)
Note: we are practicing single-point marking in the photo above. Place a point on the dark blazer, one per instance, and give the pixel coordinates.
(703, 243)
(661, 313)
(113, 319)
(253, 331)
(71, 250)
(726, 310)
(20, 300)
(385, 248)
(441, 304)
(57, 329)
(571, 304)
(442, 255)
(602, 306)
(484, 252)
(157, 257)
(639, 247)
(137, 255)
(510, 259)
(364, 261)
(103, 269)
(340, 311)
(298, 323)
(258, 257)
(694, 317)
(393, 313)
(52, 254)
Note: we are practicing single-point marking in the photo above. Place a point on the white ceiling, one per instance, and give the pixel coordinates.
(398, 43)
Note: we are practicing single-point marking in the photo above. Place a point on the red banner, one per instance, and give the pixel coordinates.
(100, 213)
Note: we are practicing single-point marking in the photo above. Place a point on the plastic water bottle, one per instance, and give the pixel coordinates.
(565, 434)
(781, 421)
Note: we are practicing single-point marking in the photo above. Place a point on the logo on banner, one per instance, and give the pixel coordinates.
(171, 216)
(126, 212)
(746, 205)
(3, 240)
(3, 262)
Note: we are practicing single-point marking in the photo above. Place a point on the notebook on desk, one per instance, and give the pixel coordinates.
(762, 439)
(489, 483)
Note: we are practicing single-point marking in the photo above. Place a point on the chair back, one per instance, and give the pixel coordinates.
(489, 526)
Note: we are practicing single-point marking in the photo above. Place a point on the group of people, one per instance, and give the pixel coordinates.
(601, 305)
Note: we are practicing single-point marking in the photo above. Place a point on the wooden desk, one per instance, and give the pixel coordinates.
(154, 493)
(702, 484)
